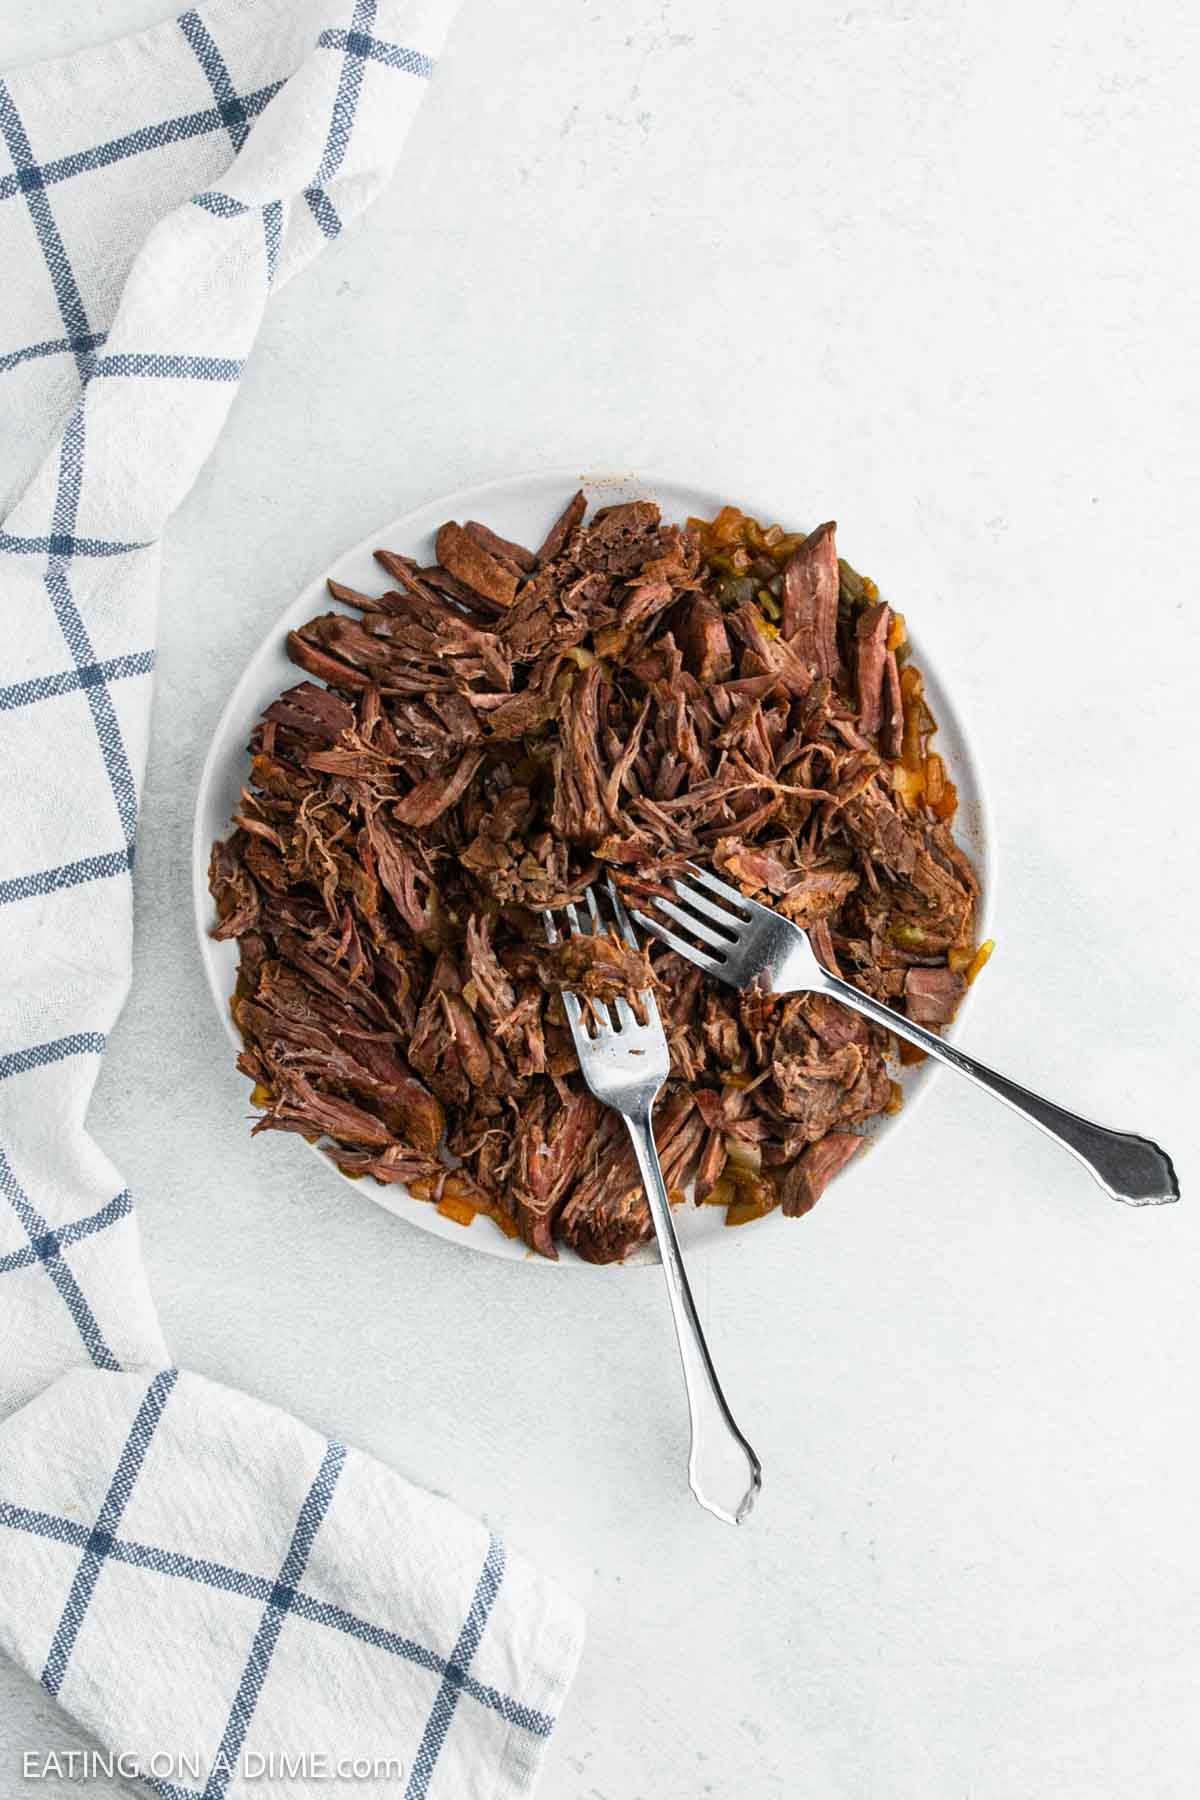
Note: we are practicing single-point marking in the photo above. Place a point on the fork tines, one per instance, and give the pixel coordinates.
(584, 1012)
(718, 926)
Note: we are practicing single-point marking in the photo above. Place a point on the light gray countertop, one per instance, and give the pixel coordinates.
(930, 268)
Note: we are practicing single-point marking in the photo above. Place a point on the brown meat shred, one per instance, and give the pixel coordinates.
(810, 601)
(497, 730)
(870, 642)
(810, 1174)
(931, 996)
(465, 557)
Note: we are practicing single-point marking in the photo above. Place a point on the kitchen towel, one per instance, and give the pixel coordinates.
(199, 1579)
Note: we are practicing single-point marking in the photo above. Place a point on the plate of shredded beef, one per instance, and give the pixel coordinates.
(502, 697)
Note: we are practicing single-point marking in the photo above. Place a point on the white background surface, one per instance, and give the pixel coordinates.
(929, 267)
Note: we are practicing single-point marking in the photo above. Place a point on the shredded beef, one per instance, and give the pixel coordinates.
(497, 730)
(465, 557)
(932, 995)
(598, 968)
(870, 642)
(807, 1178)
(810, 601)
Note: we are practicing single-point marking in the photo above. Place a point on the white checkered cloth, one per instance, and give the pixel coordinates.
(193, 1574)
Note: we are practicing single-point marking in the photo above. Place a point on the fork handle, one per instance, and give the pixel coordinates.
(723, 1471)
(1127, 1167)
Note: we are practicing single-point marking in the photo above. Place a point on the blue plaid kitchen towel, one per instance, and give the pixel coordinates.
(192, 1574)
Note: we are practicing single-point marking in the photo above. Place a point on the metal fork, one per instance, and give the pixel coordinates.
(625, 1065)
(750, 945)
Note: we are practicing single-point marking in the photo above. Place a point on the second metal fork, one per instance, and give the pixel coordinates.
(625, 1063)
(750, 945)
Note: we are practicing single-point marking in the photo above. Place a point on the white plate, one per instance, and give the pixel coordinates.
(522, 508)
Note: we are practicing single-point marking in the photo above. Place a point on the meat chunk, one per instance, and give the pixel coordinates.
(705, 641)
(931, 996)
(870, 640)
(312, 711)
(810, 601)
(558, 534)
(620, 539)
(548, 1155)
(579, 777)
(474, 566)
(598, 968)
(891, 734)
(504, 551)
(430, 798)
(808, 1177)
(232, 887)
(803, 895)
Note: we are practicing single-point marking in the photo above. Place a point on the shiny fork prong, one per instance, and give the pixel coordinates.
(700, 957)
(735, 925)
(723, 888)
(750, 914)
(621, 916)
(550, 927)
(572, 913)
(605, 1012)
(598, 926)
(627, 1019)
(607, 1018)
(718, 940)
